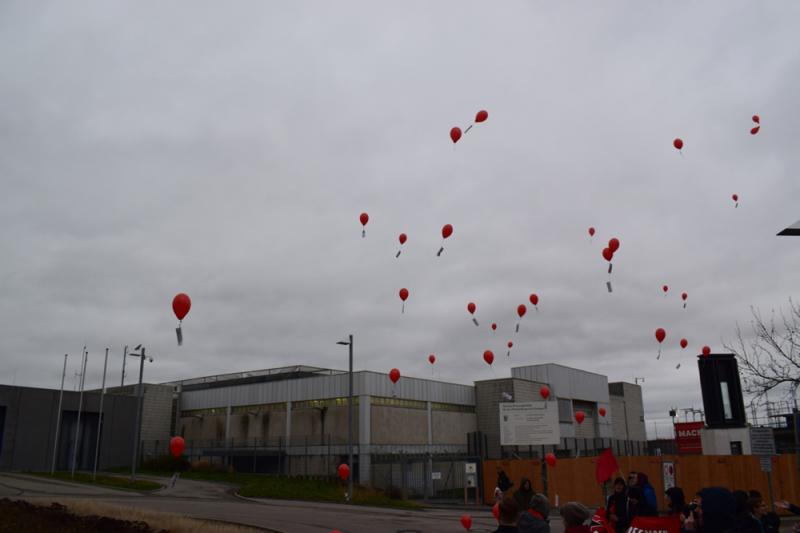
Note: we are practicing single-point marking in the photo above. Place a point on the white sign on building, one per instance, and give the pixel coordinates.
(529, 424)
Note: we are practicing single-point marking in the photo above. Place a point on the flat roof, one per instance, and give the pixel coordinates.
(254, 376)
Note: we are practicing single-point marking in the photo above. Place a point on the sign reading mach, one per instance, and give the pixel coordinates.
(687, 437)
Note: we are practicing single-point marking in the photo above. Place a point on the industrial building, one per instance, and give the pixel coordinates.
(294, 420)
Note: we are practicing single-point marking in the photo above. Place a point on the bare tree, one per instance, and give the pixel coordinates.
(771, 358)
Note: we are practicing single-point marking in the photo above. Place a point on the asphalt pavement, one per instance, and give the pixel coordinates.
(215, 501)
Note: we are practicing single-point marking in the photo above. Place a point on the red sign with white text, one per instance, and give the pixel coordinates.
(655, 524)
(687, 437)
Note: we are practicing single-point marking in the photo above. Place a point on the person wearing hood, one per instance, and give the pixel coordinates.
(535, 519)
(575, 516)
(647, 489)
(713, 512)
(616, 505)
(524, 493)
(508, 516)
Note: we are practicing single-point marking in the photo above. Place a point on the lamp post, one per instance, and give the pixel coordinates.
(349, 344)
(58, 416)
(140, 393)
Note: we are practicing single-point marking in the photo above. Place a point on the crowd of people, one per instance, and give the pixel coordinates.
(711, 510)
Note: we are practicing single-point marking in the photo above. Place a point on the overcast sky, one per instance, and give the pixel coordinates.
(226, 150)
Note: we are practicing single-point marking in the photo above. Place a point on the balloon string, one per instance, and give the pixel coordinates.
(508, 354)
(474, 321)
(517, 327)
(659, 354)
(398, 254)
(684, 305)
(440, 251)
(404, 308)
(363, 233)
(608, 286)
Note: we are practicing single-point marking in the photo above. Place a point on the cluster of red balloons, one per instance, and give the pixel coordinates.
(757, 127)
(455, 131)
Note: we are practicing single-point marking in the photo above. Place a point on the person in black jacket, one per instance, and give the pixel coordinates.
(503, 483)
(509, 514)
(616, 506)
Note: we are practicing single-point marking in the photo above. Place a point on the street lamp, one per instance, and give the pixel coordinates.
(140, 392)
(349, 343)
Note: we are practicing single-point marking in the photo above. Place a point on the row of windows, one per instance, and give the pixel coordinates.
(329, 402)
(254, 409)
(332, 402)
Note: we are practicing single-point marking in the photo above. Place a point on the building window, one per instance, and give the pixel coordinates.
(328, 402)
(726, 400)
(259, 408)
(398, 402)
(564, 410)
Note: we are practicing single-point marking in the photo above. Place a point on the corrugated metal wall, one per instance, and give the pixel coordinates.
(314, 388)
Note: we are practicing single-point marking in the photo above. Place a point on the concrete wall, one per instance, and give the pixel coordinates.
(29, 429)
(398, 425)
(626, 403)
(268, 426)
(452, 427)
(488, 395)
(718, 441)
(315, 424)
(157, 409)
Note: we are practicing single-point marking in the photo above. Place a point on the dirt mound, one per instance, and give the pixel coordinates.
(18, 516)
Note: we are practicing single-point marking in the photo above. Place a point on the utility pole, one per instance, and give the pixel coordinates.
(80, 407)
(124, 359)
(349, 343)
(100, 420)
(58, 416)
(138, 427)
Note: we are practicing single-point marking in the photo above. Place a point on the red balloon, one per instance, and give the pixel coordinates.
(181, 305)
(344, 472)
(550, 458)
(544, 392)
(496, 511)
(364, 218)
(684, 343)
(735, 197)
(534, 298)
(521, 310)
(510, 344)
(403, 238)
(665, 288)
(471, 308)
(591, 232)
(678, 144)
(481, 116)
(447, 230)
(455, 134)
(706, 351)
(579, 417)
(684, 296)
(608, 255)
(394, 375)
(602, 411)
(403, 294)
(613, 245)
(431, 358)
(755, 130)
(756, 119)
(660, 335)
(176, 446)
(488, 356)
(466, 521)
(494, 326)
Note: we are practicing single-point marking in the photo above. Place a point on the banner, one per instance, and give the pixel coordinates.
(687, 437)
(655, 524)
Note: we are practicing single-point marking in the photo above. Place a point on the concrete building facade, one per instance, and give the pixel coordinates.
(28, 419)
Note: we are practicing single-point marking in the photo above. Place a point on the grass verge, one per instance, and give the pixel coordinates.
(105, 481)
(292, 488)
(171, 522)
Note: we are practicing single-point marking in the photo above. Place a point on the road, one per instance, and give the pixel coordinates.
(205, 500)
